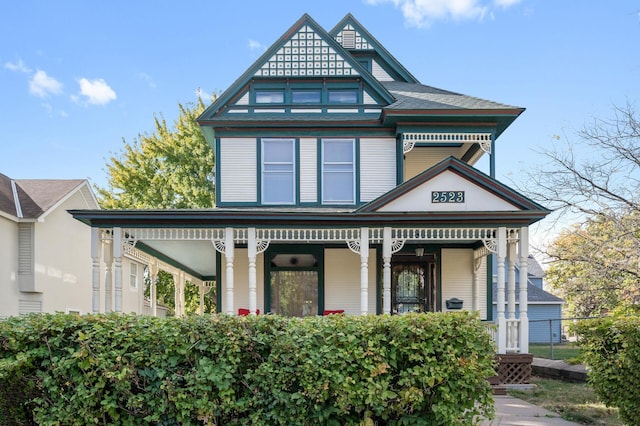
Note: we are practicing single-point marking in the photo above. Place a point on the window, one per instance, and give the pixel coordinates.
(343, 96)
(338, 171)
(269, 96)
(305, 96)
(133, 276)
(278, 171)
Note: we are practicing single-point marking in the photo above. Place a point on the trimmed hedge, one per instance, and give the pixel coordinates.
(428, 369)
(611, 348)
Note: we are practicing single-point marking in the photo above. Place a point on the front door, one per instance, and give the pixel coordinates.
(413, 286)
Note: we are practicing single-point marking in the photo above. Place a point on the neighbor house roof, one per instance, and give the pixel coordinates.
(534, 295)
(30, 199)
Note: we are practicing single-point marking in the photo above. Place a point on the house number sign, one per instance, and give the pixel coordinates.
(447, 196)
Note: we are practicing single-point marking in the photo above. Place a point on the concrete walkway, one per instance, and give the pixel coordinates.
(512, 411)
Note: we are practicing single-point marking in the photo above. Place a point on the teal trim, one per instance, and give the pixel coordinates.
(259, 171)
(438, 279)
(489, 284)
(314, 249)
(399, 160)
(238, 204)
(296, 178)
(305, 130)
(218, 282)
(356, 165)
(296, 171)
(356, 171)
(379, 277)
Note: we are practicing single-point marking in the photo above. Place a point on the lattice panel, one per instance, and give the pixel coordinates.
(349, 33)
(514, 369)
(306, 53)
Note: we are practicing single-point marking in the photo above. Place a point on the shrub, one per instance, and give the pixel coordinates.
(611, 348)
(127, 370)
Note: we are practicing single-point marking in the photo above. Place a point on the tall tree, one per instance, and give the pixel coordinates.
(170, 168)
(597, 180)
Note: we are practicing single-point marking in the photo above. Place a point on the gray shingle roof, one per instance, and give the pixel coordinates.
(35, 196)
(534, 294)
(418, 96)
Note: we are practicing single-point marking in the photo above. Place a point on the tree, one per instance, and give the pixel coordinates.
(595, 264)
(171, 168)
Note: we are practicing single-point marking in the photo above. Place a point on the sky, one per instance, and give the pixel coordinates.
(77, 78)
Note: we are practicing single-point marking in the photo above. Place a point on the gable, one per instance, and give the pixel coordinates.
(452, 186)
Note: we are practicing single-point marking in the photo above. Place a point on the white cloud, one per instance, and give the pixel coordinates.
(256, 45)
(421, 13)
(17, 66)
(96, 91)
(42, 85)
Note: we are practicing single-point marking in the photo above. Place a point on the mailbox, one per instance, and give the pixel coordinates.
(454, 303)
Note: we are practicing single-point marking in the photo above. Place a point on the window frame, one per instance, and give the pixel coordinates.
(323, 172)
(293, 171)
(133, 277)
(280, 91)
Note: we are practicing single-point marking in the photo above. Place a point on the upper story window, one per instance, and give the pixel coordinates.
(278, 171)
(269, 96)
(343, 96)
(306, 96)
(338, 171)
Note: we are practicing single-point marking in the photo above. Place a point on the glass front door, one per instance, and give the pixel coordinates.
(294, 293)
(413, 286)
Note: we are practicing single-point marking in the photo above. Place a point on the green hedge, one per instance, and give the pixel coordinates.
(426, 369)
(611, 348)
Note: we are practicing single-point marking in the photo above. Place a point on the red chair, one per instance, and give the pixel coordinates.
(243, 312)
(332, 312)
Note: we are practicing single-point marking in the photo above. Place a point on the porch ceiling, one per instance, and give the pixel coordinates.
(195, 257)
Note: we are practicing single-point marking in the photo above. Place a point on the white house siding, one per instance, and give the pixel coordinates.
(457, 276)
(379, 73)
(308, 170)
(132, 298)
(475, 198)
(238, 170)
(377, 167)
(421, 158)
(241, 281)
(342, 280)
(62, 264)
(8, 267)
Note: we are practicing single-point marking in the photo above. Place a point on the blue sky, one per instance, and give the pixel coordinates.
(78, 77)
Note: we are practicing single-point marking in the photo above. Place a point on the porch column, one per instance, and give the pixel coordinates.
(364, 271)
(475, 289)
(201, 291)
(107, 255)
(252, 251)
(512, 328)
(117, 260)
(95, 269)
(502, 323)
(153, 272)
(523, 297)
(386, 271)
(228, 255)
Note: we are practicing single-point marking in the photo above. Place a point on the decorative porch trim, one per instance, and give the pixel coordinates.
(410, 139)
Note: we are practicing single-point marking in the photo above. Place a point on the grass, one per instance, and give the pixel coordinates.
(576, 402)
(565, 351)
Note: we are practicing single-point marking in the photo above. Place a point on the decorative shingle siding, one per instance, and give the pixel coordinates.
(238, 170)
(377, 167)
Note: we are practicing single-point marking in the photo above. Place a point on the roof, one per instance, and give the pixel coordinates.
(31, 198)
(534, 294)
(534, 270)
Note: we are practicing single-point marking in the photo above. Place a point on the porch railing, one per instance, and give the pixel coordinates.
(512, 334)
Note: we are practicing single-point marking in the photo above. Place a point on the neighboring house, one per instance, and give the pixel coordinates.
(44, 265)
(342, 184)
(545, 309)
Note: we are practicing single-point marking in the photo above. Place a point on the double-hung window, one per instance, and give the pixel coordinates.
(338, 171)
(278, 171)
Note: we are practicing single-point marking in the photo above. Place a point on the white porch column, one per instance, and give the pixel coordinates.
(153, 272)
(502, 323)
(228, 255)
(95, 269)
(364, 271)
(511, 281)
(107, 254)
(523, 297)
(252, 251)
(201, 291)
(117, 260)
(386, 271)
(475, 289)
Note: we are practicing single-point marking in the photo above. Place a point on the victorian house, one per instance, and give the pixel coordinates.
(343, 184)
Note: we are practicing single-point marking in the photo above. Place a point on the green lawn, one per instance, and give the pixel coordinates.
(566, 351)
(575, 402)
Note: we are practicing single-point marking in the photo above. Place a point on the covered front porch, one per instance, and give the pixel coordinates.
(356, 267)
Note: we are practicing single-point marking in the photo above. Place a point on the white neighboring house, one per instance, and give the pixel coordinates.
(43, 257)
